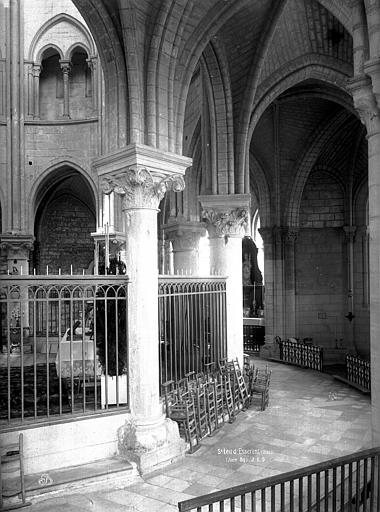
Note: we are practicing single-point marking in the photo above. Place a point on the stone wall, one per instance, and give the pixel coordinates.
(320, 285)
(64, 236)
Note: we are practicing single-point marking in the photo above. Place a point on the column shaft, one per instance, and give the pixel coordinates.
(15, 114)
(65, 66)
(374, 271)
(290, 284)
(267, 236)
(226, 217)
(141, 262)
(36, 91)
(226, 257)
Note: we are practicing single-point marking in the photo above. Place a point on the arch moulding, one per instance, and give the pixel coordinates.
(35, 51)
(47, 175)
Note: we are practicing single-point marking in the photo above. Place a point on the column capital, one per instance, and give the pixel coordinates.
(290, 235)
(365, 103)
(65, 65)
(17, 248)
(226, 215)
(92, 62)
(36, 70)
(184, 235)
(141, 174)
(349, 232)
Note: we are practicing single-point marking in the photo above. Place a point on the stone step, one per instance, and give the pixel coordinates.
(108, 473)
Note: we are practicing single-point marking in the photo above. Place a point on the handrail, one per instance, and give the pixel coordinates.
(291, 476)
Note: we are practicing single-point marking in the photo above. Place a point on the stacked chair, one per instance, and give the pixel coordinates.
(259, 387)
(202, 402)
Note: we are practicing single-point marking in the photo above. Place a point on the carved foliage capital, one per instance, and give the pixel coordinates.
(291, 235)
(227, 223)
(65, 66)
(140, 188)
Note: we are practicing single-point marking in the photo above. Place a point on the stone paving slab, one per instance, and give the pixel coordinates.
(311, 417)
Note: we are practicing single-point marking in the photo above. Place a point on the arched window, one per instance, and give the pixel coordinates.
(51, 86)
(81, 103)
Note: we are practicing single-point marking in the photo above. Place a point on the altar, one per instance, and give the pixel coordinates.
(76, 358)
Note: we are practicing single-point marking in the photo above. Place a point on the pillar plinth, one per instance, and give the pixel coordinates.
(226, 219)
(185, 237)
(141, 176)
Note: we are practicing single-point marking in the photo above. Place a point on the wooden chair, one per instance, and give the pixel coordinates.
(242, 395)
(200, 403)
(260, 387)
(212, 410)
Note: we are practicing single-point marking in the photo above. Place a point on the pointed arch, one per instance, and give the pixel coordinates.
(217, 85)
(57, 170)
(73, 48)
(306, 164)
(48, 25)
(264, 198)
(41, 52)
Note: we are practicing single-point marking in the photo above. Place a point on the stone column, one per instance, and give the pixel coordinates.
(142, 175)
(185, 238)
(279, 305)
(65, 66)
(15, 124)
(92, 64)
(268, 240)
(365, 100)
(349, 330)
(290, 282)
(226, 219)
(36, 90)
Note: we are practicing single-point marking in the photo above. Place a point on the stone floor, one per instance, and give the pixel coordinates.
(311, 418)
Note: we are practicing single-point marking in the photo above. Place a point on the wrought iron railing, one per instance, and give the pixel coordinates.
(349, 483)
(358, 371)
(70, 368)
(253, 337)
(302, 354)
(192, 324)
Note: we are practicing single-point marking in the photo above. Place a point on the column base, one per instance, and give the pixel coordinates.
(151, 444)
(270, 350)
